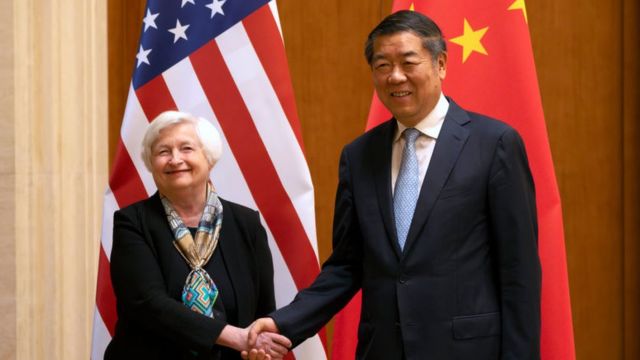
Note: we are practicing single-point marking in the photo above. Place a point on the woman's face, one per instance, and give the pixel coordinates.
(178, 161)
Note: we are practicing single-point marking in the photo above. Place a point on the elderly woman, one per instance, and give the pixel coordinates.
(189, 269)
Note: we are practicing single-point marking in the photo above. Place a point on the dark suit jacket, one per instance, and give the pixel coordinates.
(467, 285)
(148, 274)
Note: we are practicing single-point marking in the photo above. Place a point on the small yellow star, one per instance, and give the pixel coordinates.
(411, 7)
(470, 41)
(519, 5)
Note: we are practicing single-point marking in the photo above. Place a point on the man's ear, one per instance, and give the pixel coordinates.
(442, 65)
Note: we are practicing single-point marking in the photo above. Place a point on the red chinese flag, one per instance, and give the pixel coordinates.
(491, 71)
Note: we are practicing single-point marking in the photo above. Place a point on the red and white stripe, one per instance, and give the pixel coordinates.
(241, 83)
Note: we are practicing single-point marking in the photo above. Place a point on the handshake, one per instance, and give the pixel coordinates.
(259, 341)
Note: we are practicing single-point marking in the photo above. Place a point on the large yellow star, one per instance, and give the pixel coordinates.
(470, 41)
(411, 7)
(519, 5)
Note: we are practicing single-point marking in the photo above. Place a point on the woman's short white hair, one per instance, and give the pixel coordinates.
(207, 134)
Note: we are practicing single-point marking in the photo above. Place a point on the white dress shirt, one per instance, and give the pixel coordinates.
(429, 128)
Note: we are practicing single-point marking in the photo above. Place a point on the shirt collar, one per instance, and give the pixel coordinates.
(431, 124)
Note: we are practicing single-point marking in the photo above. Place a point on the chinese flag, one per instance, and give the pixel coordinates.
(491, 71)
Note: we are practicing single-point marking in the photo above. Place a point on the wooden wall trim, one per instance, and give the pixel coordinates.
(578, 52)
(124, 19)
(631, 179)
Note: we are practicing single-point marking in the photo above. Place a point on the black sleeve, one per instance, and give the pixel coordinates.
(512, 205)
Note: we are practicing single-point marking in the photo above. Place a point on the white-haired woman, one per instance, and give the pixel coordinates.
(189, 269)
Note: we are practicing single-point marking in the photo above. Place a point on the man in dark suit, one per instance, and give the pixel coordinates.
(435, 221)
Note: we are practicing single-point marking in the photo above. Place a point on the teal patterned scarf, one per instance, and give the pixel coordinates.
(199, 292)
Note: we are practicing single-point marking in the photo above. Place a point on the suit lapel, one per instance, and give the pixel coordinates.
(381, 160)
(450, 142)
(174, 268)
(157, 222)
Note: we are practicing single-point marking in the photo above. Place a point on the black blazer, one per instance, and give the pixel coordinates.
(467, 285)
(148, 274)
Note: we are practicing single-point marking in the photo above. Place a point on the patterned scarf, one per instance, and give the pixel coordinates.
(199, 292)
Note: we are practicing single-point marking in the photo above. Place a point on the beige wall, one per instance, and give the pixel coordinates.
(7, 186)
(54, 171)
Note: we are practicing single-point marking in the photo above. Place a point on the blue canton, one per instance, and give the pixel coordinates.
(173, 29)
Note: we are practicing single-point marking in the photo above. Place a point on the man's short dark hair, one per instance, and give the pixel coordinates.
(411, 21)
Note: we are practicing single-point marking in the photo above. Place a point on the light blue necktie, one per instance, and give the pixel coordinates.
(407, 188)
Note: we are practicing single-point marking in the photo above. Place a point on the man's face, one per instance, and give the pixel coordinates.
(405, 77)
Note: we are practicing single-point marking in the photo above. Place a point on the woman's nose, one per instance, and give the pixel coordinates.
(175, 158)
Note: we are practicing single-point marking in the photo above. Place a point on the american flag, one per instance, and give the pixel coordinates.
(223, 60)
